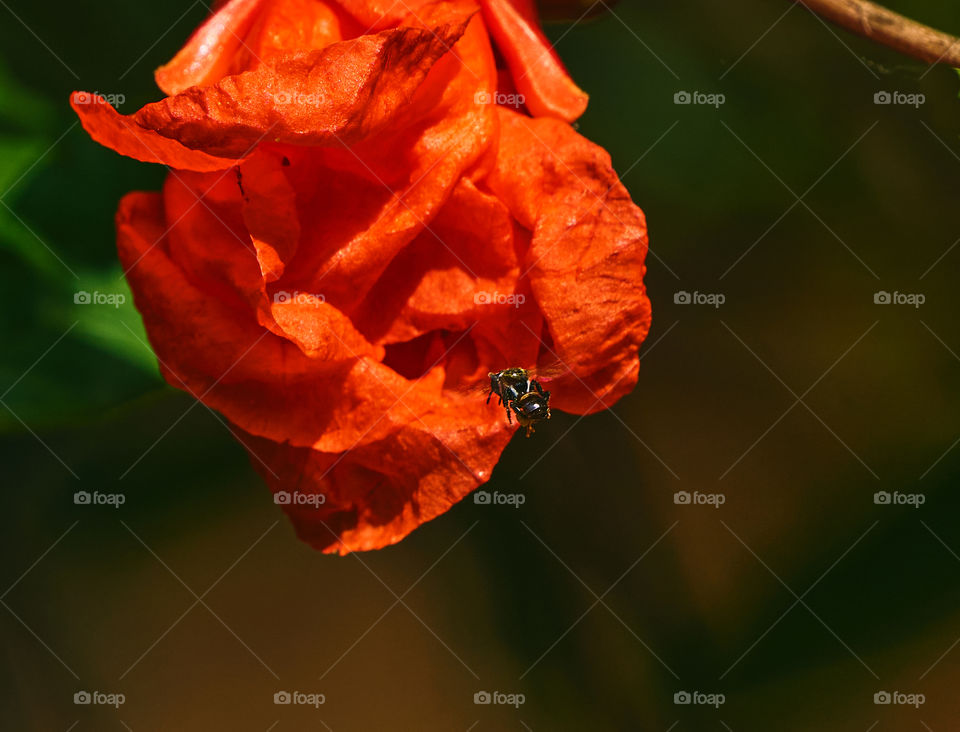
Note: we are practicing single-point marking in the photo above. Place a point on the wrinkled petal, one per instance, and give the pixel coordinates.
(269, 212)
(537, 72)
(340, 94)
(375, 495)
(108, 127)
(452, 272)
(376, 15)
(232, 363)
(208, 55)
(335, 96)
(282, 25)
(586, 259)
(360, 206)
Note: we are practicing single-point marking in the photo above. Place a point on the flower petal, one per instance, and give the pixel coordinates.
(259, 380)
(537, 72)
(338, 95)
(460, 274)
(375, 495)
(376, 15)
(269, 212)
(586, 259)
(108, 127)
(361, 205)
(291, 25)
(208, 55)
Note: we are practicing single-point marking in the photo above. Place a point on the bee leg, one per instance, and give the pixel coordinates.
(494, 387)
(509, 418)
(529, 429)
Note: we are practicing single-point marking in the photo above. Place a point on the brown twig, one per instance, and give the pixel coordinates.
(891, 29)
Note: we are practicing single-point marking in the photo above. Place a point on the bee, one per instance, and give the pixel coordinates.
(518, 391)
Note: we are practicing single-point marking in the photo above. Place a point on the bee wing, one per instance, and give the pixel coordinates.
(544, 373)
(476, 386)
(550, 371)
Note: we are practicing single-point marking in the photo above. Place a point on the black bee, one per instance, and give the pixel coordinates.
(521, 393)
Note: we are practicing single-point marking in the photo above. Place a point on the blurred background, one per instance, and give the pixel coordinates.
(766, 528)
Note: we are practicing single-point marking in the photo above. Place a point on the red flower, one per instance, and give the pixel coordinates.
(345, 213)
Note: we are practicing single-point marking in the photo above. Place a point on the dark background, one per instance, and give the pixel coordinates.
(600, 598)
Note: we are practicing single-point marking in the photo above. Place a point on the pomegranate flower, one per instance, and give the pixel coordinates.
(363, 214)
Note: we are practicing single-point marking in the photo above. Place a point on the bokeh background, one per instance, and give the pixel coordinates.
(600, 598)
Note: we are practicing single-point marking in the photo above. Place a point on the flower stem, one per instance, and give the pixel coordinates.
(891, 29)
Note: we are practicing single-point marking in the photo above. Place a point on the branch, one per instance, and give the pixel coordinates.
(891, 29)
